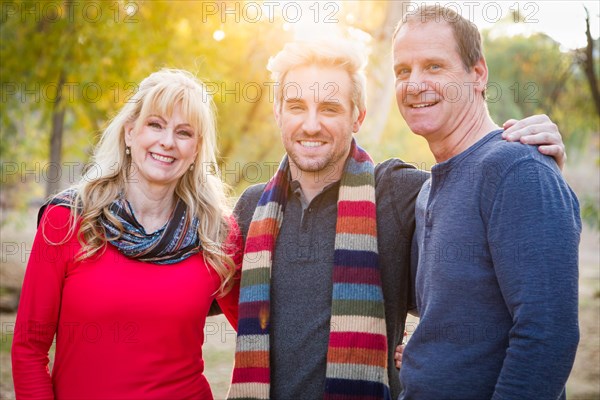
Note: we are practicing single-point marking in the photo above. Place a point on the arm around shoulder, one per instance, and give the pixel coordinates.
(242, 216)
(228, 304)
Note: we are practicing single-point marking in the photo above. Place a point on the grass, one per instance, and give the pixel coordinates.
(6, 342)
(218, 358)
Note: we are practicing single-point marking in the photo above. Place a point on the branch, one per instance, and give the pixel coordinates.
(588, 64)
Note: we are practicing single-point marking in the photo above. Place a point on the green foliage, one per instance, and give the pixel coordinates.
(6, 342)
(102, 56)
(590, 213)
(103, 50)
(533, 75)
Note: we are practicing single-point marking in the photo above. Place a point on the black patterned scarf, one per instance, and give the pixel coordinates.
(172, 243)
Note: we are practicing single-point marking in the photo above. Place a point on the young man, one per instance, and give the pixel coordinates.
(328, 243)
(338, 249)
(497, 232)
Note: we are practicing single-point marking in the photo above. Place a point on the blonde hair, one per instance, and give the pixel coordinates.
(324, 53)
(201, 188)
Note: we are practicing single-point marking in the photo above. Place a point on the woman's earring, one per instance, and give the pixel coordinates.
(191, 167)
(127, 150)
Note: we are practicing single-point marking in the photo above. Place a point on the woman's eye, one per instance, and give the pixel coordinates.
(185, 133)
(154, 125)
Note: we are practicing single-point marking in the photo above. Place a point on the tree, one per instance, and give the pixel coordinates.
(59, 60)
(587, 61)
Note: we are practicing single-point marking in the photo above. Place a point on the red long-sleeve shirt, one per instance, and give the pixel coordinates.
(124, 329)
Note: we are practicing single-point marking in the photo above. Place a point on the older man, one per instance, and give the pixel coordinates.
(497, 233)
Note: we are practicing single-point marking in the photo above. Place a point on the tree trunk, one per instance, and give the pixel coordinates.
(559, 86)
(249, 119)
(380, 86)
(54, 169)
(588, 65)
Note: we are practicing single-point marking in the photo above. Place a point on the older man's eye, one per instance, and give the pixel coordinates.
(402, 72)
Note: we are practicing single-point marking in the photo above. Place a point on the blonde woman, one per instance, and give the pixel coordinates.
(126, 264)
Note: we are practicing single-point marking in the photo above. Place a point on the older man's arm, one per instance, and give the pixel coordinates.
(538, 130)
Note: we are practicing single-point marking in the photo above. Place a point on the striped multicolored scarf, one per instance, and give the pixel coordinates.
(173, 243)
(357, 353)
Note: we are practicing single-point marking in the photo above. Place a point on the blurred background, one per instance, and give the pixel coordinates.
(68, 66)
